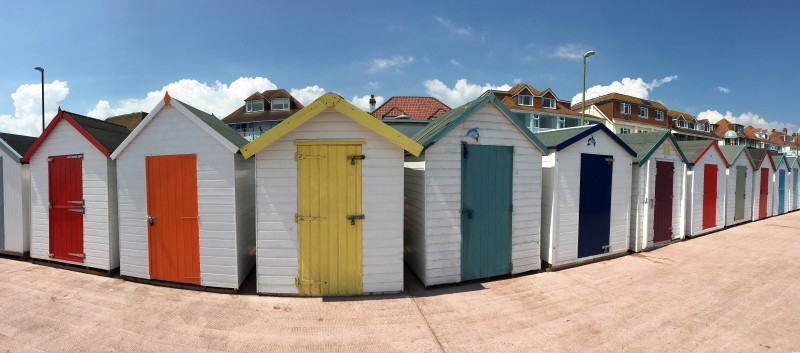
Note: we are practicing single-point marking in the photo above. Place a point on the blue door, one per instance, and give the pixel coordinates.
(594, 210)
(486, 179)
(794, 188)
(781, 190)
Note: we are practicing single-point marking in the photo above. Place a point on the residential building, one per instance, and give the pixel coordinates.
(130, 120)
(625, 114)
(261, 112)
(408, 114)
(784, 142)
(730, 133)
(686, 127)
(541, 110)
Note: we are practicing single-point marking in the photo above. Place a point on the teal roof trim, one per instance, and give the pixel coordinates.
(666, 135)
(439, 127)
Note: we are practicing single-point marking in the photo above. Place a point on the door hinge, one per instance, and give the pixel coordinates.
(606, 248)
(298, 218)
(298, 156)
(77, 202)
(81, 255)
(355, 157)
(610, 160)
(51, 255)
(298, 281)
(464, 150)
(80, 210)
(353, 218)
(76, 156)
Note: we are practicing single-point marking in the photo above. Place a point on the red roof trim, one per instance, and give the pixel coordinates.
(714, 144)
(768, 156)
(61, 115)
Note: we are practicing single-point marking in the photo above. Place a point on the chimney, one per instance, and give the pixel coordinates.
(785, 131)
(372, 102)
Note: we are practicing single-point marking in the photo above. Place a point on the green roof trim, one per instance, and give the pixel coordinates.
(440, 126)
(217, 125)
(562, 138)
(645, 144)
(779, 159)
(791, 161)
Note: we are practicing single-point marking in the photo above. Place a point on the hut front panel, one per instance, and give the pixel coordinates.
(65, 140)
(698, 174)
(245, 214)
(567, 196)
(665, 154)
(757, 189)
(776, 187)
(14, 216)
(443, 195)
(414, 217)
(730, 193)
(382, 202)
(171, 133)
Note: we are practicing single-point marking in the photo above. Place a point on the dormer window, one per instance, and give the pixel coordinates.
(525, 100)
(739, 129)
(280, 104)
(701, 127)
(255, 106)
(549, 103)
(625, 108)
(659, 115)
(642, 112)
(681, 123)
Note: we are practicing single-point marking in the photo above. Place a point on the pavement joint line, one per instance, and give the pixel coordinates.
(427, 323)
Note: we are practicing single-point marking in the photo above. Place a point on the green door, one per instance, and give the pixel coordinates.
(486, 177)
(738, 208)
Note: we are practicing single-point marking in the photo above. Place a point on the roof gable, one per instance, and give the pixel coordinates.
(695, 150)
(445, 123)
(336, 102)
(733, 152)
(104, 136)
(16, 145)
(758, 155)
(778, 160)
(563, 138)
(646, 144)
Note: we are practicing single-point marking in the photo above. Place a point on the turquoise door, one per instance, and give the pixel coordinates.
(794, 188)
(781, 191)
(486, 179)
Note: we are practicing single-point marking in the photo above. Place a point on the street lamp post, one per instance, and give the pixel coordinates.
(41, 69)
(583, 100)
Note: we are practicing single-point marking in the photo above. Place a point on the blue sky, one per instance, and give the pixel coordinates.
(108, 57)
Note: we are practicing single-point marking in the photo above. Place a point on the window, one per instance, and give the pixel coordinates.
(280, 104)
(525, 100)
(623, 130)
(532, 122)
(681, 123)
(692, 125)
(739, 128)
(254, 106)
(549, 103)
(625, 108)
(701, 127)
(561, 122)
(643, 112)
(659, 115)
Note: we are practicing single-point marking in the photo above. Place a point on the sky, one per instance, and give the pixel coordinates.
(713, 59)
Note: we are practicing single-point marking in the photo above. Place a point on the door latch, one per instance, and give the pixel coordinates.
(355, 157)
(467, 212)
(151, 220)
(353, 218)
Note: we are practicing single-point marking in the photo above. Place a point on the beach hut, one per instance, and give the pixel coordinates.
(792, 163)
(706, 182)
(15, 188)
(586, 175)
(473, 197)
(762, 182)
(186, 199)
(657, 196)
(329, 202)
(74, 192)
(738, 194)
(781, 185)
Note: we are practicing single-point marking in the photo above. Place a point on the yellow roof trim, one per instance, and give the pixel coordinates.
(331, 100)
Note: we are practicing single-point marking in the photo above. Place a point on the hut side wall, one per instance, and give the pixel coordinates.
(14, 214)
(414, 218)
(245, 180)
(65, 140)
(382, 202)
(698, 171)
(730, 194)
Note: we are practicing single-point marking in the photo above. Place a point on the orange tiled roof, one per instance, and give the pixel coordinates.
(624, 98)
(510, 100)
(416, 108)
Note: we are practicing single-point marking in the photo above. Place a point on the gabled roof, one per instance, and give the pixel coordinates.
(417, 108)
(757, 155)
(16, 145)
(209, 123)
(242, 116)
(732, 152)
(563, 138)
(778, 160)
(645, 144)
(694, 150)
(440, 127)
(130, 120)
(104, 136)
(336, 102)
(791, 161)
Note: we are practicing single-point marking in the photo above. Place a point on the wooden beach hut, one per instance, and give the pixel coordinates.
(15, 189)
(186, 199)
(781, 187)
(74, 192)
(706, 181)
(792, 163)
(473, 197)
(586, 195)
(329, 202)
(739, 190)
(657, 206)
(762, 182)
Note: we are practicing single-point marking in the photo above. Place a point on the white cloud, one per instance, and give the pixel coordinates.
(397, 61)
(363, 101)
(570, 51)
(220, 99)
(308, 94)
(27, 118)
(373, 84)
(724, 90)
(455, 62)
(746, 119)
(633, 87)
(461, 92)
(452, 27)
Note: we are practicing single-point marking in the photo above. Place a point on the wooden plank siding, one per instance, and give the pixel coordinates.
(226, 255)
(776, 186)
(414, 244)
(730, 194)
(694, 218)
(756, 189)
(98, 221)
(382, 202)
(15, 199)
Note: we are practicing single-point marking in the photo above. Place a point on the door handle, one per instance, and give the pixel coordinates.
(151, 220)
(353, 218)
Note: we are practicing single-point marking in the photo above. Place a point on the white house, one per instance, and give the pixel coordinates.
(739, 181)
(15, 195)
(707, 186)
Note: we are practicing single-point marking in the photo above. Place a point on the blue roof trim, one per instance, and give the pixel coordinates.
(592, 130)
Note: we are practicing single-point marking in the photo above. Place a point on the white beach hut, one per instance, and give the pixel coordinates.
(739, 181)
(15, 189)
(762, 182)
(781, 186)
(707, 187)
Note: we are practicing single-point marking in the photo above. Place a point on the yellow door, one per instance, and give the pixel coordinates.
(329, 217)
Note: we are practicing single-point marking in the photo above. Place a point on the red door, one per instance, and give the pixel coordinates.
(763, 195)
(65, 174)
(173, 233)
(709, 196)
(662, 212)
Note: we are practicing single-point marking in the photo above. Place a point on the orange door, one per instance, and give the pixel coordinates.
(173, 240)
